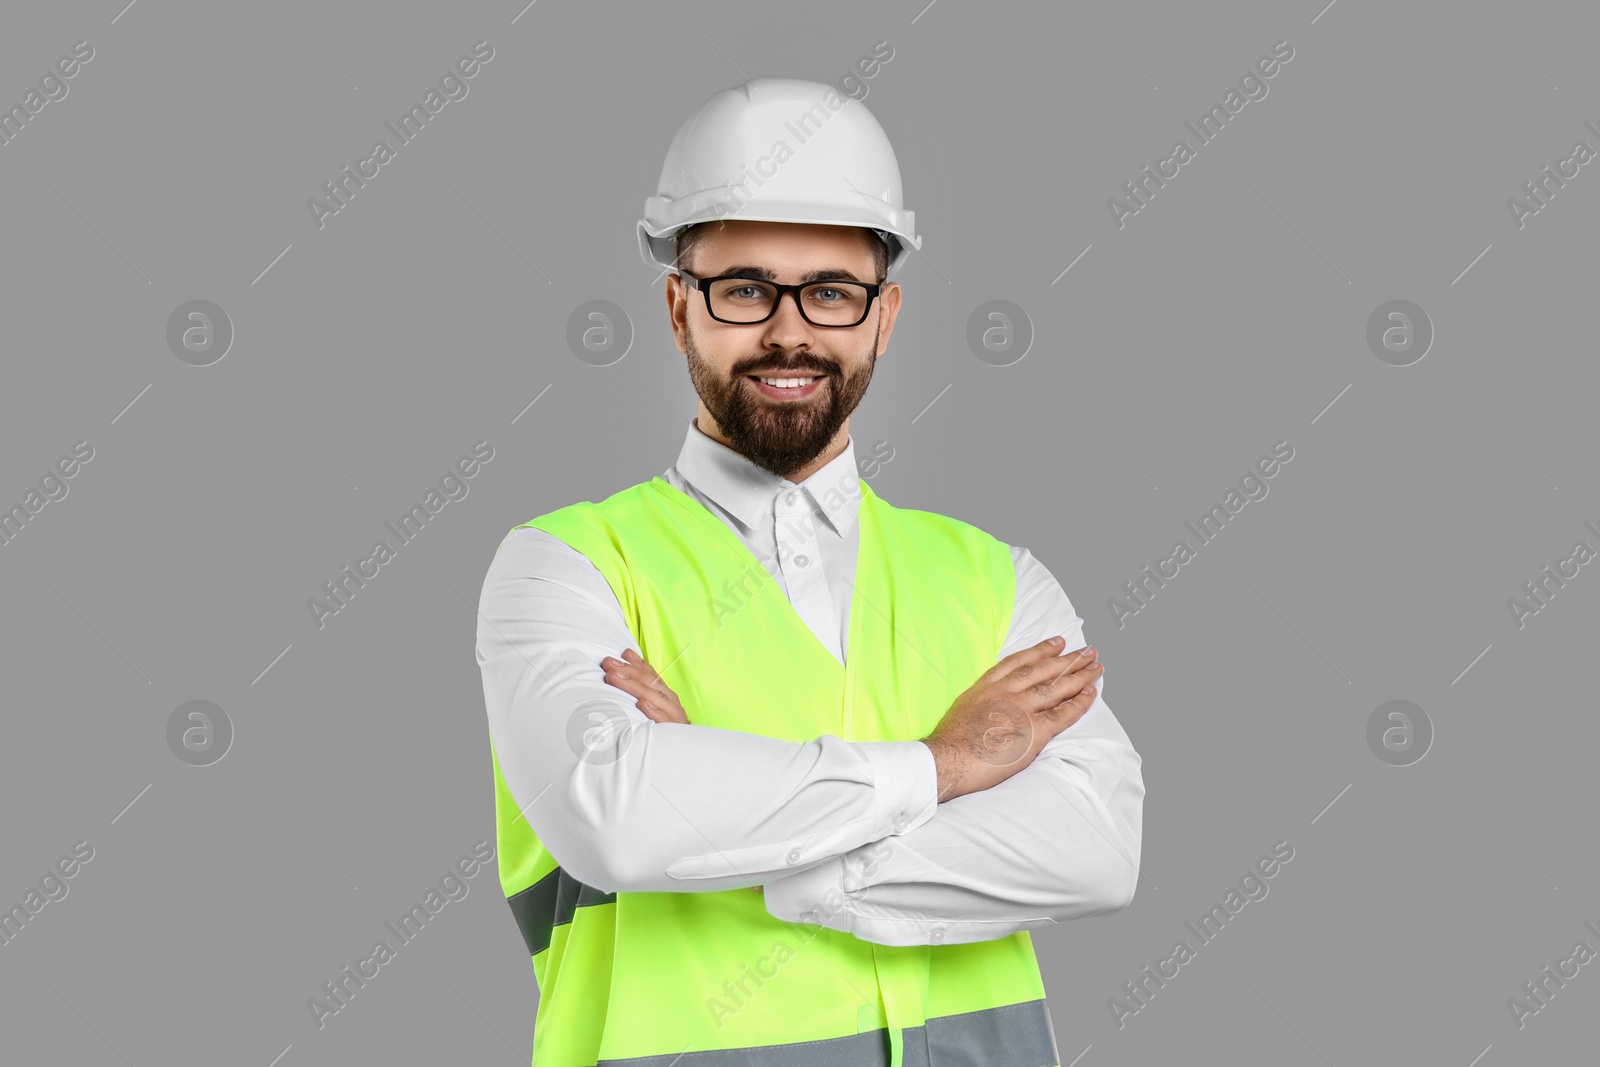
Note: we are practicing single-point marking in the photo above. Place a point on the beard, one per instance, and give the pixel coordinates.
(780, 436)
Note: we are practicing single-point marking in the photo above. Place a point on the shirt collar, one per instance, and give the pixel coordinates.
(746, 491)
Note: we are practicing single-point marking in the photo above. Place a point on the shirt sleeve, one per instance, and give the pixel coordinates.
(1058, 840)
(659, 807)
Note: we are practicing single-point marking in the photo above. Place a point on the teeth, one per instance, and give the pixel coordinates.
(787, 383)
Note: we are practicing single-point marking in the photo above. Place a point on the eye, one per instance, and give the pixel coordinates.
(837, 294)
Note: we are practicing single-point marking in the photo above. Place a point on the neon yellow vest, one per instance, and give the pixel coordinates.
(711, 979)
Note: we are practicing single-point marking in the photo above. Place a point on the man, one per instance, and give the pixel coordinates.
(753, 673)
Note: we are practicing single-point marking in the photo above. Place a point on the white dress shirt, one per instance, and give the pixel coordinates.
(1058, 840)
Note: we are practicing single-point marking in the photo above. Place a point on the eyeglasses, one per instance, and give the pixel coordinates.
(742, 301)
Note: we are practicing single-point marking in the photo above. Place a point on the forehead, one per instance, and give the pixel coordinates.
(785, 245)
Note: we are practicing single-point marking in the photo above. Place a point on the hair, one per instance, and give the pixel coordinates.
(690, 236)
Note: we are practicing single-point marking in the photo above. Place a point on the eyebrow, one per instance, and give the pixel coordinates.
(832, 274)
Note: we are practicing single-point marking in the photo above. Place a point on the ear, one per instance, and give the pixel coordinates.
(678, 311)
(888, 311)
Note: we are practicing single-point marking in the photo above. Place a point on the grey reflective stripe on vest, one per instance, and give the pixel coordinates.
(548, 903)
(1015, 1035)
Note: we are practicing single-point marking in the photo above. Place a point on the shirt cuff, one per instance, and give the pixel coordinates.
(815, 895)
(907, 783)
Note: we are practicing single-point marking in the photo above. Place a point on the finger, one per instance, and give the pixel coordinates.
(1071, 710)
(1030, 672)
(1032, 654)
(1048, 690)
(623, 677)
(1077, 660)
(650, 675)
(658, 704)
(642, 669)
(670, 712)
(654, 704)
(657, 709)
(637, 680)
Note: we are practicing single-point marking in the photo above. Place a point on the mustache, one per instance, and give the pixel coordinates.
(802, 367)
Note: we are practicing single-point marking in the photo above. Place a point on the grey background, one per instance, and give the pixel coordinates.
(1227, 315)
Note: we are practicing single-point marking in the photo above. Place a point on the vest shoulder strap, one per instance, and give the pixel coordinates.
(599, 530)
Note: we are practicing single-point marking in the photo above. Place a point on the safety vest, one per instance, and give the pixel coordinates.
(711, 979)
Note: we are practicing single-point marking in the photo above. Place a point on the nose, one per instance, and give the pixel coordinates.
(787, 327)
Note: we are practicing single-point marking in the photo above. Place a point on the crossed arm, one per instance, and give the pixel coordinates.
(848, 835)
(1058, 840)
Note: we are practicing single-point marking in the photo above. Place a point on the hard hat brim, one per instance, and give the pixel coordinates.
(657, 238)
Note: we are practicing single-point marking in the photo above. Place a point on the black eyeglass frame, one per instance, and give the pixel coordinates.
(704, 285)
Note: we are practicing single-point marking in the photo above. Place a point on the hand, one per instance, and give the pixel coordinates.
(639, 680)
(1010, 713)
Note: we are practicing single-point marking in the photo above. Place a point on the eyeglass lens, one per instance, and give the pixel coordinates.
(748, 300)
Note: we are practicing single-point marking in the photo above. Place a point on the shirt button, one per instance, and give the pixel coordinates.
(801, 560)
(788, 498)
(937, 935)
(794, 855)
(900, 823)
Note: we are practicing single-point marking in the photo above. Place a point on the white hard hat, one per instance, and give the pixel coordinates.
(779, 150)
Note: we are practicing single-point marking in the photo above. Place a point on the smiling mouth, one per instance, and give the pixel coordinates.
(793, 387)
